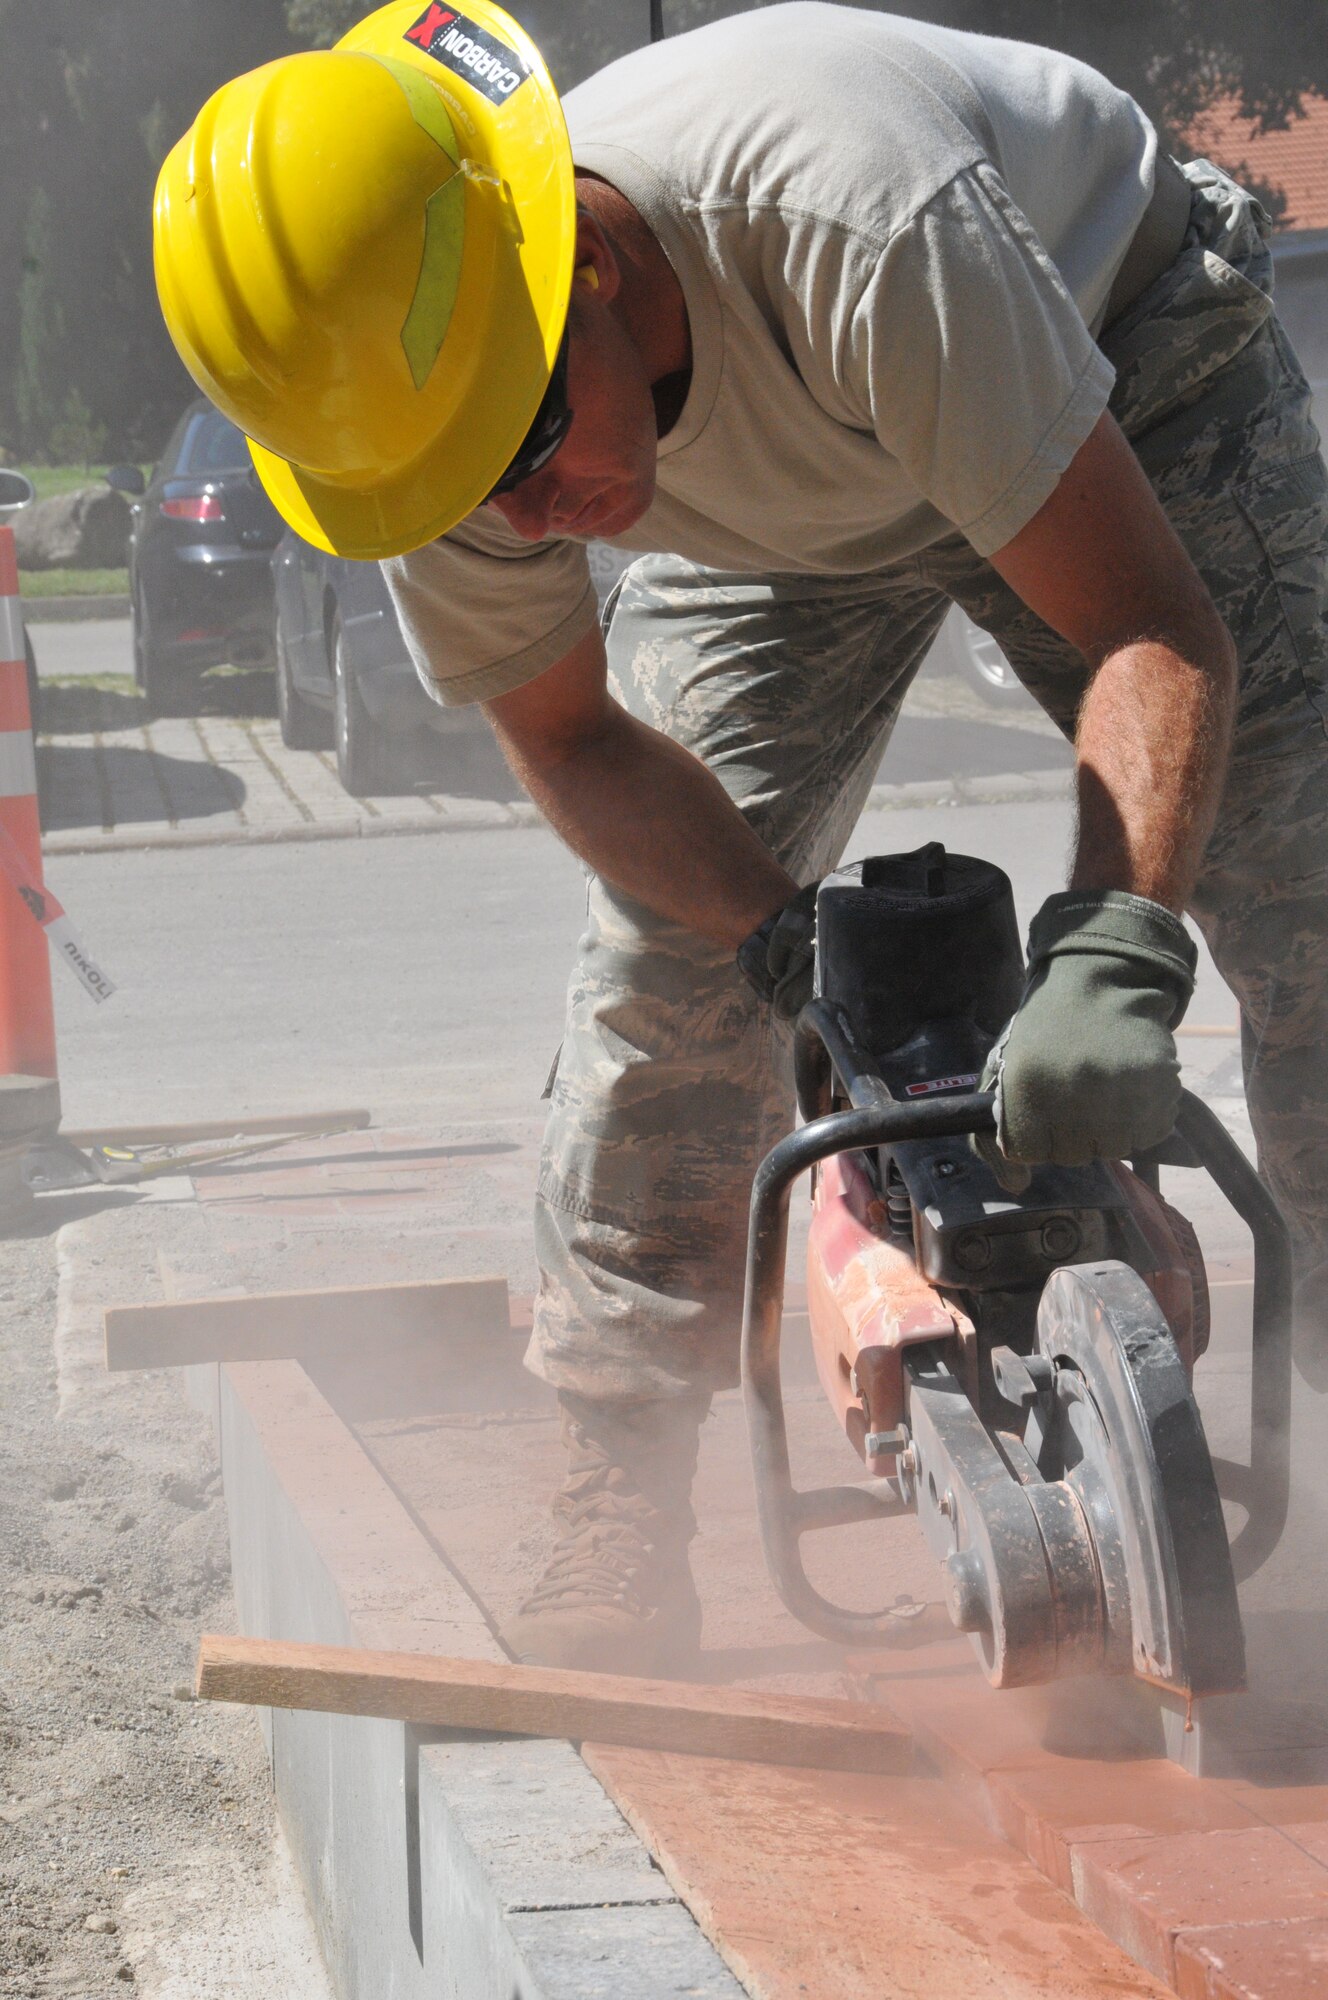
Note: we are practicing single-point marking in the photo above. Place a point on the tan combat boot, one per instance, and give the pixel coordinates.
(617, 1596)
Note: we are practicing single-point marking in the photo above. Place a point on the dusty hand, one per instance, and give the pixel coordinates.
(779, 956)
(1087, 1068)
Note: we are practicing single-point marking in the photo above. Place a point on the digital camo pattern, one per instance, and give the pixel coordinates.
(673, 1080)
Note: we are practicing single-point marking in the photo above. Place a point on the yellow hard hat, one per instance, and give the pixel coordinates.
(364, 257)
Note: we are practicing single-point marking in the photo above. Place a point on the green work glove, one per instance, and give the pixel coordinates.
(1087, 1068)
(779, 957)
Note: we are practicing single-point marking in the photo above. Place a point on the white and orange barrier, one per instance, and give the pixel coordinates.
(29, 914)
(27, 1022)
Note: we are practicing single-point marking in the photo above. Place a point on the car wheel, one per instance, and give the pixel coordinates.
(161, 684)
(985, 666)
(303, 726)
(359, 741)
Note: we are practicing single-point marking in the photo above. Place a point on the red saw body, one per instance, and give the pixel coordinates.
(1015, 1369)
(867, 1300)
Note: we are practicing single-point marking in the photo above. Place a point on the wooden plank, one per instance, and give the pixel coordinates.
(296, 1123)
(367, 1321)
(545, 1701)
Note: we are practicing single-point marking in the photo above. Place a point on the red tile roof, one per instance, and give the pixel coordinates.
(1295, 160)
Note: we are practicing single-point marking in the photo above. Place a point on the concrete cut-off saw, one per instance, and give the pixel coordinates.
(1016, 1369)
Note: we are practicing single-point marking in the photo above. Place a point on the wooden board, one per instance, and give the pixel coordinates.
(359, 1320)
(544, 1701)
(297, 1123)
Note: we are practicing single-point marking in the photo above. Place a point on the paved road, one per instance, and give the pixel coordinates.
(421, 978)
(111, 777)
(82, 648)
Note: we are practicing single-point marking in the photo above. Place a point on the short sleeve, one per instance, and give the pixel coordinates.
(972, 363)
(484, 612)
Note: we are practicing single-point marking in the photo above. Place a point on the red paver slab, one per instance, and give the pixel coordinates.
(1277, 1961)
(302, 1205)
(1144, 1892)
(1051, 1807)
(821, 1887)
(368, 1201)
(1284, 1805)
(1310, 1836)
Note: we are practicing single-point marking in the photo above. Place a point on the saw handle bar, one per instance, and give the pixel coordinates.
(875, 1118)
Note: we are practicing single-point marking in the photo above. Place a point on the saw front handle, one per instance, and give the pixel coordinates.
(877, 1119)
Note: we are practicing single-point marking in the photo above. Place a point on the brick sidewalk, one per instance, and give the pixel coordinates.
(223, 779)
(113, 778)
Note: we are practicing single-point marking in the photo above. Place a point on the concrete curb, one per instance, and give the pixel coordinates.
(434, 1863)
(492, 815)
(72, 610)
(999, 788)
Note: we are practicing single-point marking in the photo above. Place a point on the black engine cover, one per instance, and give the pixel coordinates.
(923, 952)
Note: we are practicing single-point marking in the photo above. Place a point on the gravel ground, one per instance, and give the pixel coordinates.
(138, 1846)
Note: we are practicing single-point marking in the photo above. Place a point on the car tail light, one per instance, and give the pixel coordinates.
(196, 507)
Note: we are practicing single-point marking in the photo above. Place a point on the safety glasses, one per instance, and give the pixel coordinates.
(553, 420)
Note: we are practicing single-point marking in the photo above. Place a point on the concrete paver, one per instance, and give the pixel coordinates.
(112, 777)
(1284, 1960)
(1050, 1809)
(1147, 1893)
(822, 1888)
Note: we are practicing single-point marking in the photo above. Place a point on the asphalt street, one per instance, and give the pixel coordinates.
(83, 648)
(422, 978)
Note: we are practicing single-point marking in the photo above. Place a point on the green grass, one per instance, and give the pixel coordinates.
(51, 479)
(73, 582)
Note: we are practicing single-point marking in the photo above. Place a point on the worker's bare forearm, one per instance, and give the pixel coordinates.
(1101, 564)
(649, 817)
(1153, 743)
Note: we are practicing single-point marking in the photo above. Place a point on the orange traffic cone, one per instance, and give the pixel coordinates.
(27, 1021)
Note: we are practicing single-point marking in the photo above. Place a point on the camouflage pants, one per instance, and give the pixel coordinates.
(672, 1080)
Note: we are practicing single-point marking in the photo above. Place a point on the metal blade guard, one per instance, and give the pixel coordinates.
(1016, 1369)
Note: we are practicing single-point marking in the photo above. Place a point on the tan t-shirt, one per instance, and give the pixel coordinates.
(895, 242)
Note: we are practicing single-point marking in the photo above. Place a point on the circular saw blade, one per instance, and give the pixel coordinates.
(1122, 1428)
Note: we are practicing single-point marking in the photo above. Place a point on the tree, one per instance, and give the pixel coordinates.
(92, 97)
(575, 37)
(38, 391)
(1175, 56)
(316, 24)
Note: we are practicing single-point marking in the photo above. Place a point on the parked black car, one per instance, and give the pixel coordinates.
(200, 559)
(345, 680)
